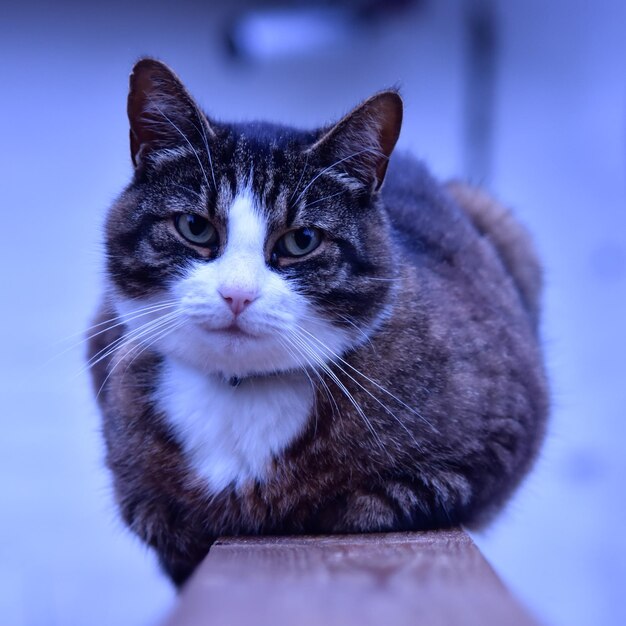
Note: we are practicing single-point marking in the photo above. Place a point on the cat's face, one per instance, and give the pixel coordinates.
(249, 249)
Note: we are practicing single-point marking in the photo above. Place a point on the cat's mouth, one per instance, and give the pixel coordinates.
(232, 331)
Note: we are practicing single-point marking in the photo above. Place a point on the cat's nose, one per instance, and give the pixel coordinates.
(238, 298)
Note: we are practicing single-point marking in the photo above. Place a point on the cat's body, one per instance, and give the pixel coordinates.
(388, 377)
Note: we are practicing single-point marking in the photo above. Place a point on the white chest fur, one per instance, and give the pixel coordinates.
(229, 434)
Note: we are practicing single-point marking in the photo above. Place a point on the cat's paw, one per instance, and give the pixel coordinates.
(368, 512)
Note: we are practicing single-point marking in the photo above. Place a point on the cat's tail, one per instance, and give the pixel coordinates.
(510, 239)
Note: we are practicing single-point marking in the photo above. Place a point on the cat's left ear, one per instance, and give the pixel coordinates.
(161, 112)
(362, 142)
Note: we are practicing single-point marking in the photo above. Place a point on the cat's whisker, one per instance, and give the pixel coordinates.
(320, 200)
(330, 167)
(117, 318)
(306, 164)
(206, 145)
(365, 335)
(379, 402)
(159, 335)
(307, 362)
(316, 321)
(144, 345)
(308, 348)
(288, 349)
(354, 403)
(336, 357)
(129, 338)
(384, 280)
(188, 190)
(184, 136)
(329, 354)
(120, 320)
(307, 354)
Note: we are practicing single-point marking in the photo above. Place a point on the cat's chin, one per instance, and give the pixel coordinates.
(231, 351)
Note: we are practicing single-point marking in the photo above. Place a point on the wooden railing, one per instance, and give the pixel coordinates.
(425, 578)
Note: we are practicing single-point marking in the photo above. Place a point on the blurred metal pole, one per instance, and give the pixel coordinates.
(481, 47)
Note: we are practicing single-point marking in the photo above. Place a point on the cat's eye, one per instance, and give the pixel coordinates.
(299, 242)
(196, 229)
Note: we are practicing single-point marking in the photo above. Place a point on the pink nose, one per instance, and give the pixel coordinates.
(237, 298)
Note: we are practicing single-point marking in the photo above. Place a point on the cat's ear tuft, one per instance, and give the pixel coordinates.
(362, 142)
(161, 112)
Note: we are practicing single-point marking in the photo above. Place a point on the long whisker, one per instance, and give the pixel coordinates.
(337, 357)
(128, 338)
(145, 345)
(288, 349)
(383, 280)
(347, 320)
(119, 320)
(116, 318)
(159, 335)
(187, 189)
(182, 134)
(323, 365)
(129, 317)
(330, 167)
(313, 319)
(323, 199)
(382, 404)
(208, 150)
(307, 362)
(306, 164)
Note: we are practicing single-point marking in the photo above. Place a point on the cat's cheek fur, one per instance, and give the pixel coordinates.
(278, 339)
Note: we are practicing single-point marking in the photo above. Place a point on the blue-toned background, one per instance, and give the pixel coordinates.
(549, 91)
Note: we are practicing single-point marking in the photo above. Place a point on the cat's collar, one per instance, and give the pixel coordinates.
(235, 381)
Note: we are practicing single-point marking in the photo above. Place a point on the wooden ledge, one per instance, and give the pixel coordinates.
(426, 578)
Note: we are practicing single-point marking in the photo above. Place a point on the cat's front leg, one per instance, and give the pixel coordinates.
(161, 523)
(399, 506)
(179, 567)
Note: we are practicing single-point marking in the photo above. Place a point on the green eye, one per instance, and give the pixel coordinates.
(196, 229)
(299, 242)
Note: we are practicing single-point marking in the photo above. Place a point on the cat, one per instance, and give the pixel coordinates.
(303, 334)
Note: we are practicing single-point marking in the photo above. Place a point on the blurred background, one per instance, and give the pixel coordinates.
(524, 97)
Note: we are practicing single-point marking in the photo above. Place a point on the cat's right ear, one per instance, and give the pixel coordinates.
(362, 142)
(161, 112)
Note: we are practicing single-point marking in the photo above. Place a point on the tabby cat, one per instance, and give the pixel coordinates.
(300, 334)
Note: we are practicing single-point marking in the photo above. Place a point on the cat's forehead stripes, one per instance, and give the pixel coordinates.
(276, 173)
(284, 182)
